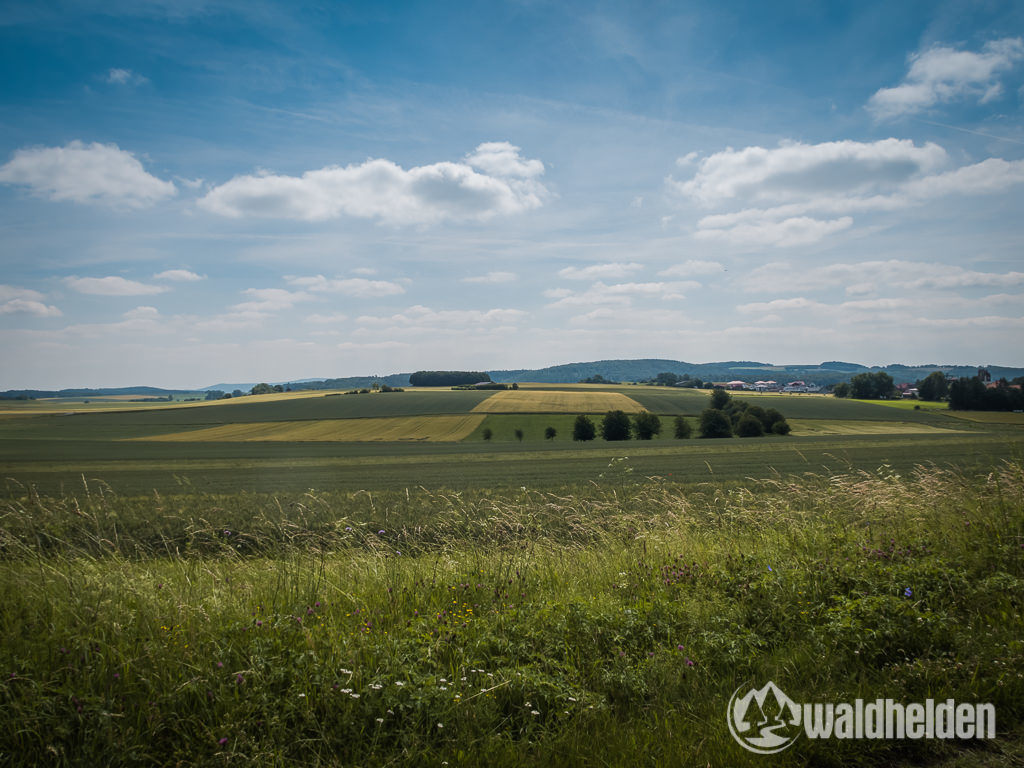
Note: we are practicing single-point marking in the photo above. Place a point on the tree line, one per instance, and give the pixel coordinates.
(725, 417)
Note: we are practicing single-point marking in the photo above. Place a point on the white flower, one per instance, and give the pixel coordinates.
(534, 712)
(302, 695)
(345, 671)
(346, 690)
(399, 683)
(440, 725)
(354, 695)
(571, 698)
(380, 719)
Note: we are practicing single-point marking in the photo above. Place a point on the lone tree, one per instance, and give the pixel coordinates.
(646, 425)
(714, 423)
(583, 429)
(549, 433)
(519, 435)
(682, 428)
(488, 433)
(615, 426)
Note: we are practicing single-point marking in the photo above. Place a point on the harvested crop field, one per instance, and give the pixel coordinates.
(396, 429)
(806, 427)
(550, 401)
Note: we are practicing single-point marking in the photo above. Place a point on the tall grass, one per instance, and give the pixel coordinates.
(600, 625)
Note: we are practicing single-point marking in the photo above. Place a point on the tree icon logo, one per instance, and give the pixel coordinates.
(764, 720)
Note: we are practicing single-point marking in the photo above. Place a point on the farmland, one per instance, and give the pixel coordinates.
(365, 579)
(298, 441)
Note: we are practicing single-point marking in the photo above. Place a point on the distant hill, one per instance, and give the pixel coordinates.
(823, 374)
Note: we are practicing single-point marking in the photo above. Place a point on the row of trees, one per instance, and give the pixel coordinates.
(616, 425)
(972, 395)
(446, 378)
(724, 418)
(867, 386)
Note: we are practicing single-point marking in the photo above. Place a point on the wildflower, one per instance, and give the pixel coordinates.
(679, 647)
(220, 665)
(534, 712)
(354, 695)
(689, 662)
(380, 532)
(380, 719)
(440, 725)
(238, 678)
(302, 695)
(345, 671)
(399, 683)
(769, 569)
(223, 741)
(227, 532)
(907, 592)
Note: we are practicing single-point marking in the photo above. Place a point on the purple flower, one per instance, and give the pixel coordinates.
(223, 741)
(220, 665)
(380, 532)
(238, 678)
(689, 662)
(907, 592)
(679, 647)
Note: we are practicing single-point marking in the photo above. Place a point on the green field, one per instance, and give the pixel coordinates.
(364, 580)
(423, 438)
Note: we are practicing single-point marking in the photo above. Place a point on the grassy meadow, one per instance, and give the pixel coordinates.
(228, 584)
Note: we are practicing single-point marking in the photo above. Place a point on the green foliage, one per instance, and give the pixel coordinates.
(842, 389)
(615, 426)
(549, 433)
(714, 423)
(646, 425)
(872, 386)
(749, 426)
(583, 429)
(781, 427)
(446, 378)
(262, 389)
(719, 399)
(973, 395)
(682, 428)
(506, 627)
(488, 433)
(933, 386)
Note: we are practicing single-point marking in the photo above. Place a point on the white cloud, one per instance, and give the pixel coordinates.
(868, 276)
(799, 304)
(28, 307)
(611, 271)
(267, 300)
(622, 294)
(801, 230)
(492, 278)
(798, 194)
(942, 74)
(178, 275)
(118, 76)
(357, 287)
(693, 268)
(500, 158)
(86, 173)
(797, 171)
(327, 319)
(425, 318)
(380, 189)
(112, 286)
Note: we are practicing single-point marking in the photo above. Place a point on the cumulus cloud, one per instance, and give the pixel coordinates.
(943, 74)
(112, 286)
(380, 189)
(492, 278)
(798, 194)
(357, 287)
(611, 271)
(100, 174)
(178, 275)
(24, 301)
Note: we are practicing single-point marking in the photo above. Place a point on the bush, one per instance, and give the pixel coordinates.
(488, 433)
(549, 433)
(682, 428)
(781, 427)
(749, 426)
(714, 423)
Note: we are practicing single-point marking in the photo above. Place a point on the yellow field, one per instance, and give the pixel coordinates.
(810, 427)
(392, 429)
(550, 401)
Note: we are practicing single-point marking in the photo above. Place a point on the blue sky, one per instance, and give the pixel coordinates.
(200, 191)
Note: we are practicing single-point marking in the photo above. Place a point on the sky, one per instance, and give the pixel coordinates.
(205, 191)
